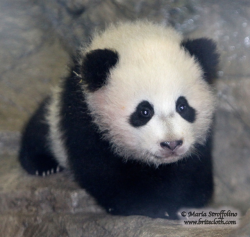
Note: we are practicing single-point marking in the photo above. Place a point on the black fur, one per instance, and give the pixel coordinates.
(204, 50)
(185, 110)
(143, 113)
(35, 155)
(96, 66)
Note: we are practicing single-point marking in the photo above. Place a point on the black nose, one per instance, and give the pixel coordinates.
(171, 145)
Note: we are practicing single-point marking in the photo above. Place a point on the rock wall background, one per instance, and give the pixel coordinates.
(36, 39)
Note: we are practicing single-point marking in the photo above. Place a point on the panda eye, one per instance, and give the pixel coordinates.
(142, 114)
(185, 110)
(181, 108)
(146, 113)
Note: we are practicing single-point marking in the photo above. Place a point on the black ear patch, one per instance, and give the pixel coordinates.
(204, 50)
(96, 66)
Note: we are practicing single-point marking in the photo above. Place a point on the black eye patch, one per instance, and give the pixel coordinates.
(184, 110)
(143, 113)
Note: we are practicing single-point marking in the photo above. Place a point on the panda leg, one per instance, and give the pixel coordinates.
(35, 155)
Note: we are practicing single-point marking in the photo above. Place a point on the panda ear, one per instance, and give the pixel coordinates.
(96, 66)
(204, 50)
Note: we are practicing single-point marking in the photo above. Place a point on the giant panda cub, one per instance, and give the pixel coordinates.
(132, 121)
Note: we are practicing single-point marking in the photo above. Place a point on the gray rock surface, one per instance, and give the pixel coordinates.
(31, 195)
(244, 228)
(225, 21)
(29, 55)
(106, 226)
(231, 144)
(75, 20)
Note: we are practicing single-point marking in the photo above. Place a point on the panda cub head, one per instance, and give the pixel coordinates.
(148, 90)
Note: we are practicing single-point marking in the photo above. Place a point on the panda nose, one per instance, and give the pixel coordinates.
(171, 145)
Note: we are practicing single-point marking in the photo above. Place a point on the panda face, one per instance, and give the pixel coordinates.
(170, 146)
(152, 103)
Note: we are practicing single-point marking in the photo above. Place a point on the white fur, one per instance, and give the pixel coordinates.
(153, 67)
(55, 134)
